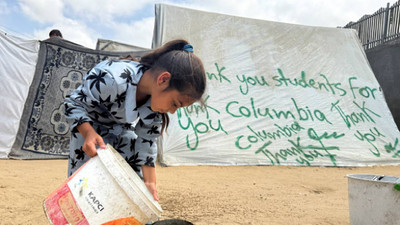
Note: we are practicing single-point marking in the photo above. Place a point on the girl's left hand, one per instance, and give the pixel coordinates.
(149, 177)
(153, 190)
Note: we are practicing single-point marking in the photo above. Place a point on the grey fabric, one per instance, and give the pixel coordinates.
(385, 62)
(43, 132)
(114, 46)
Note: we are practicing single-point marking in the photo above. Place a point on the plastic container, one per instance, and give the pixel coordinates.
(373, 199)
(104, 189)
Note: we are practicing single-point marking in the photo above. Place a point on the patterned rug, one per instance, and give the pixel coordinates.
(43, 131)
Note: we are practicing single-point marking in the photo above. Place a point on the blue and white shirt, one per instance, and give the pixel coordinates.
(107, 100)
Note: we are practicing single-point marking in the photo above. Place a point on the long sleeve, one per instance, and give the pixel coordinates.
(148, 130)
(93, 100)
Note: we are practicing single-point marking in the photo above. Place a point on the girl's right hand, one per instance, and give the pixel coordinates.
(92, 139)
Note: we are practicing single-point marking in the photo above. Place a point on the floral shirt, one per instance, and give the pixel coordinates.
(107, 100)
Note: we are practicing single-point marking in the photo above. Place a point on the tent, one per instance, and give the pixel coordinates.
(114, 46)
(18, 58)
(278, 94)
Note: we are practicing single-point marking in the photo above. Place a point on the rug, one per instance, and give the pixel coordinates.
(44, 132)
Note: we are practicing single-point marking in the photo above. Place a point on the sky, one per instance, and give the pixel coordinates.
(132, 21)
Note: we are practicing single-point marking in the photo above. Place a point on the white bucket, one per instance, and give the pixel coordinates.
(104, 189)
(373, 199)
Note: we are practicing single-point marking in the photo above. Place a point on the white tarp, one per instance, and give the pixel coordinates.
(18, 58)
(278, 94)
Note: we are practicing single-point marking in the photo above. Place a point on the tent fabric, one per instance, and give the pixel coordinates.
(43, 132)
(114, 46)
(18, 58)
(278, 94)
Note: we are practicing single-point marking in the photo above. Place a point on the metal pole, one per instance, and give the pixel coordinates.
(386, 23)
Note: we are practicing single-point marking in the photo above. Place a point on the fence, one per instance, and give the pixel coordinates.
(382, 26)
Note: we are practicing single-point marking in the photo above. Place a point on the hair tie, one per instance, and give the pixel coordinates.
(188, 48)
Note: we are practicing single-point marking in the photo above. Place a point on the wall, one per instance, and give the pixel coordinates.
(385, 62)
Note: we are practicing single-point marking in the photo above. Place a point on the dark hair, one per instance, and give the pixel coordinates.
(56, 33)
(186, 69)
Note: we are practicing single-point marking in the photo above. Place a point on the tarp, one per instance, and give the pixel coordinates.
(114, 46)
(43, 131)
(278, 94)
(18, 58)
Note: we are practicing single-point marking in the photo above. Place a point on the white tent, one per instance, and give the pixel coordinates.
(18, 57)
(278, 94)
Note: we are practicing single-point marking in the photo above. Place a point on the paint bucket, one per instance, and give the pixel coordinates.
(374, 199)
(104, 189)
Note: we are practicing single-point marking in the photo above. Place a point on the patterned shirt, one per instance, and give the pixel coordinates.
(107, 100)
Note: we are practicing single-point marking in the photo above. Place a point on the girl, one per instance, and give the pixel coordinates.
(117, 92)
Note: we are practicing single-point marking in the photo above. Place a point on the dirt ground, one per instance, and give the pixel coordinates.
(203, 195)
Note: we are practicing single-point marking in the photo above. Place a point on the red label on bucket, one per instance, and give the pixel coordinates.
(61, 208)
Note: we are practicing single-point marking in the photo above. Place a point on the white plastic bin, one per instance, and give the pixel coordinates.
(373, 199)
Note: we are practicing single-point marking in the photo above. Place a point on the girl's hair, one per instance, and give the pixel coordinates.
(186, 69)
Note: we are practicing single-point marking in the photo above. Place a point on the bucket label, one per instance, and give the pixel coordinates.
(94, 202)
(83, 187)
(69, 208)
(82, 184)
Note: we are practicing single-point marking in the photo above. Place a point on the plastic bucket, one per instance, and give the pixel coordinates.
(104, 189)
(373, 199)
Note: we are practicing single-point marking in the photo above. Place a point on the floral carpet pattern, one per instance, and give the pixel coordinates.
(43, 131)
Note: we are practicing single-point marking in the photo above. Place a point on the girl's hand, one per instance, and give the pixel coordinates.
(92, 139)
(149, 176)
(153, 190)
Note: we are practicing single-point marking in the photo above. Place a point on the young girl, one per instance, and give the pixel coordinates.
(117, 92)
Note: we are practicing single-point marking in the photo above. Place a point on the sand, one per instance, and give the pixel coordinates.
(203, 195)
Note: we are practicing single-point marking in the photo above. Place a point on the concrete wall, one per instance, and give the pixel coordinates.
(385, 62)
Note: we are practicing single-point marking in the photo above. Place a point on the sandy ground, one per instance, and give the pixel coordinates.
(205, 194)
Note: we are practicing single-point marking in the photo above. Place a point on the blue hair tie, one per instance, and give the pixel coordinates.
(188, 48)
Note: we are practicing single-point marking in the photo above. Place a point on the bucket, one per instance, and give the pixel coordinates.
(104, 189)
(374, 199)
